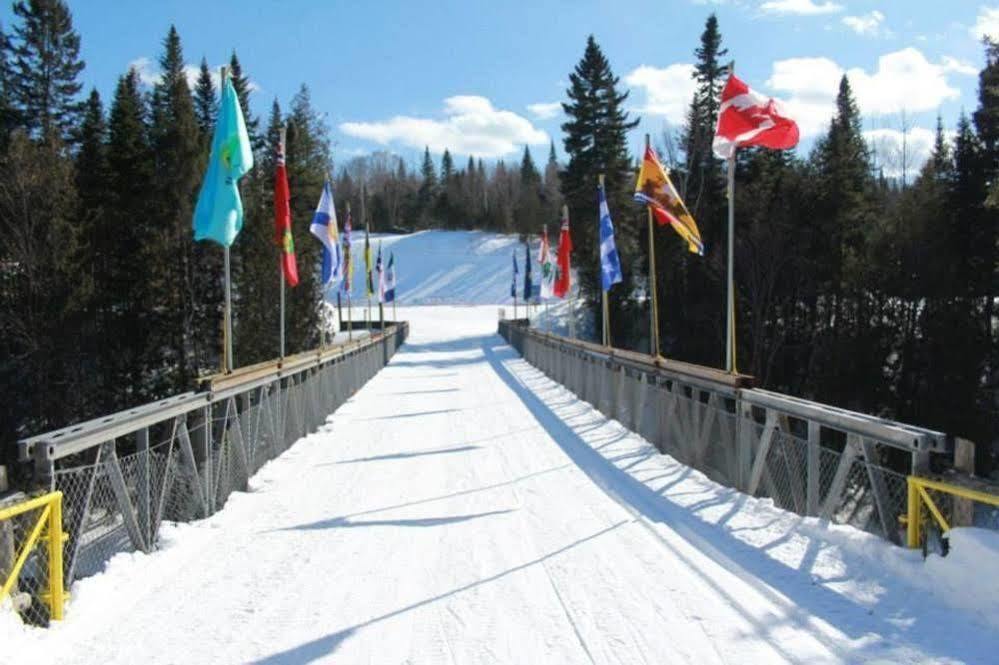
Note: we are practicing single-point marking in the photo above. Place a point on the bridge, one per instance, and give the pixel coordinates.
(450, 491)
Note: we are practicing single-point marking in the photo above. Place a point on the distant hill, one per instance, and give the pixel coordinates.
(444, 267)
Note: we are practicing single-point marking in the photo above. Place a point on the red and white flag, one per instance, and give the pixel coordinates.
(748, 118)
(563, 279)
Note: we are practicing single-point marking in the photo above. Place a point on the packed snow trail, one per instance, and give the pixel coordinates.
(462, 508)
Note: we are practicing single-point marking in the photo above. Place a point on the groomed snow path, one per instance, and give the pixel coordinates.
(461, 508)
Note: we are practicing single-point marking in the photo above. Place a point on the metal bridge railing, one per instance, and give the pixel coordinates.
(809, 458)
(180, 458)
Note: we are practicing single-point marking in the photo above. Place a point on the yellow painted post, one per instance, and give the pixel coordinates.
(56, 540)
(914, 516)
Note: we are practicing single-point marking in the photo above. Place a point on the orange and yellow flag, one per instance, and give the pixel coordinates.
(655, 190)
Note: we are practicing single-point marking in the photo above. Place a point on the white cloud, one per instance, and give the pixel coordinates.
(149, 74)
(951, 64)
(987, 23)
(904, 80)
(471, 126)
(545, 110)
(887, 147)
(800, 7)
(667, 91)
(868, 25)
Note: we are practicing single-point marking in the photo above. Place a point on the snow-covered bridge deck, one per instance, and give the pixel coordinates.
(462, 508)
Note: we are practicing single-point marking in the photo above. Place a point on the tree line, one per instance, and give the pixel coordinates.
(106, 301)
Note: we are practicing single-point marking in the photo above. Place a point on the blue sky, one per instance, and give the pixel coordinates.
(477, 76)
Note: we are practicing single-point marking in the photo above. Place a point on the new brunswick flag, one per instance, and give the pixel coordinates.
(655, 190)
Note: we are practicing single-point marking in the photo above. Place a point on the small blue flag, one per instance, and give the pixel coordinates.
(218, 215)
(610, 262)
(513, 284)
(529, 289)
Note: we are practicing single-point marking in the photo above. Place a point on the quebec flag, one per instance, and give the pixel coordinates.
(325, 229)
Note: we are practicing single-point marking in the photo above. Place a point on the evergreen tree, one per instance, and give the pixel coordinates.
(242, 85)
(122, 301)
(188, 328)
(596, 142)
(529, 214)
(309, 160)
(205, 102)
(46, 68)
(8, 117)
(427, 194)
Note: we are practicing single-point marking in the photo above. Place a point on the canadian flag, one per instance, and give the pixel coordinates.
(748, 118)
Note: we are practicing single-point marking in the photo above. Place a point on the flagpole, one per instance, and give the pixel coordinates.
(281, 258)
(228, 313)
(367, 259)
(227, 316)
(605, 328)
(654, 322)
(345, 279)
(730, 326)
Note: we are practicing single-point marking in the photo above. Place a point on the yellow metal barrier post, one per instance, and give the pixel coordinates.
(918, 495)
(50, 521)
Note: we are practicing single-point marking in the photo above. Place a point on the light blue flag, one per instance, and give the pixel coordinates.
(218, 216)
(610, 262)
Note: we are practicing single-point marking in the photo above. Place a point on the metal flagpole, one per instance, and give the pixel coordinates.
(281, 250)
(228, 313)
(605, 329)
(227, 316)
(345, 280)
(367, 259)
(730, 327)
(730, 286)
(654, 319)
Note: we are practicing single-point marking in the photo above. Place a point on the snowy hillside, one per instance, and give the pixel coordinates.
(443, 267)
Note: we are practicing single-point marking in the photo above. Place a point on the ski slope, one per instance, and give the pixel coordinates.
(462, 508)
(444, 267)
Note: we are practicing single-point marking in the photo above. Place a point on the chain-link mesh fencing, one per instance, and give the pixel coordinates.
(186, 467)
(704, 427)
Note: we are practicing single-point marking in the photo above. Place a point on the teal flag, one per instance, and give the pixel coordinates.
(218, 215)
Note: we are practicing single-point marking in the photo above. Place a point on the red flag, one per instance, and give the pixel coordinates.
(562, 276)
(748, 118)
(282, 219)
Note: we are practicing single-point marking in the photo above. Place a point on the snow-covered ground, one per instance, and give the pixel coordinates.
(462, 508)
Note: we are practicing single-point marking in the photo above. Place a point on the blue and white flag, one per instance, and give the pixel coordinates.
(529, 289)
(513, 284)
(325, 229)
(610, 262)
(390, 279)
(381, 274)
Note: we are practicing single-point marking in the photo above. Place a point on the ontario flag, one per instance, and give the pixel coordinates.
(656, 190)
(746, 117)
(562, 277)
(282, 219)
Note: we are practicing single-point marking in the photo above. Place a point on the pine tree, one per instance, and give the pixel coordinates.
(309, 160)
(552, 198)
(529, 214)
(126, 271)
(8, 117)
(427, 194)
(596, 142)
(205, 102)
(188, 328)
(92, 188)
(242, 85)
(46, 68)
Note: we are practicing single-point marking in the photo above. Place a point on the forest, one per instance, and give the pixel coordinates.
(854, 288)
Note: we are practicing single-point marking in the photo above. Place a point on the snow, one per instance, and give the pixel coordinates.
(463, 508)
